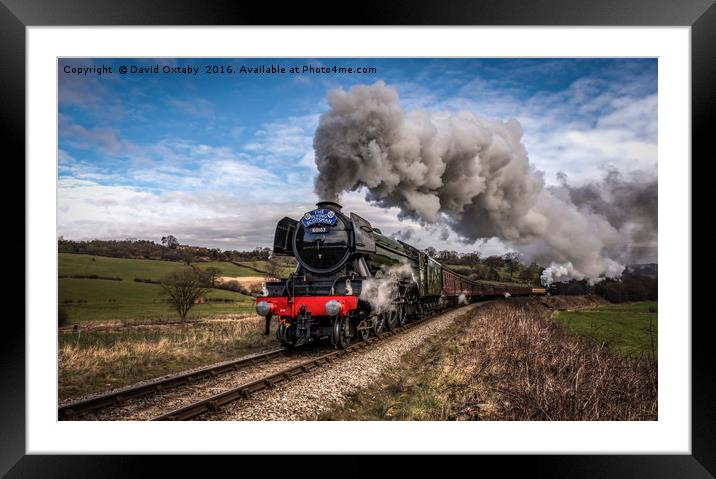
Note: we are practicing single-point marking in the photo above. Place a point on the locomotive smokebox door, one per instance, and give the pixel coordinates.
(283, 238)
(364, 241)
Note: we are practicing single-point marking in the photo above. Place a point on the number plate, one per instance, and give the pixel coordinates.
(322, 229)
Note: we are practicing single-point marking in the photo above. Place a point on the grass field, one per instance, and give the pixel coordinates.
(630, 330)
(510, 361)
(130, 347)
(93, 361)
(264, 266)
(101, 300)
(227, 269)
(123, 300)
(127, 269)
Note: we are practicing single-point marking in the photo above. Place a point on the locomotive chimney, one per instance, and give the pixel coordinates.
(331, 205)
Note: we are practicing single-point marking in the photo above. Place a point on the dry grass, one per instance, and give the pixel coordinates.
(525, 366)
(511, 361)
(92, 361)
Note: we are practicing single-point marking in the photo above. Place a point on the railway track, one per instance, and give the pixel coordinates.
(139, 397)
(244, 391)
(77, 409)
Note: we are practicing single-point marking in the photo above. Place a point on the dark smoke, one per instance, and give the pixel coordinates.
(474, 175)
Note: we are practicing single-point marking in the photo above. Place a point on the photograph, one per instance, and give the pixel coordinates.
(357, 239)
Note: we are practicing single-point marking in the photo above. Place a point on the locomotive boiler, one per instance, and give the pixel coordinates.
(351, 281)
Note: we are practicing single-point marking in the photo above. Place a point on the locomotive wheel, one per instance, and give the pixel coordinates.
(341, 332)
(287, 336)
(378, 325)
(402, 316)
(391, 319)
(364, 334)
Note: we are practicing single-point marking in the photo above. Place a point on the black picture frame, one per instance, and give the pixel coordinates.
(700, 15)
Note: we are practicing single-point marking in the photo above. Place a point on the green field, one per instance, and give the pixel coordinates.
(108, 300)
(629, 330)
(127, 269)
(264, 266)
(99, 299)
(227, 269)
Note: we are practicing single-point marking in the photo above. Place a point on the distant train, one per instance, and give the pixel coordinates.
(340, 257)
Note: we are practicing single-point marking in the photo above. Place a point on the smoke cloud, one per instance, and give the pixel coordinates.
(473, 175)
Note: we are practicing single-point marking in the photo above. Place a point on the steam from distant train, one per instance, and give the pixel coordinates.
(474, 175)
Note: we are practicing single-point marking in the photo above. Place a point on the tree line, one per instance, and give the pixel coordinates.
(628, 288)
(168, 249)
(507, 267)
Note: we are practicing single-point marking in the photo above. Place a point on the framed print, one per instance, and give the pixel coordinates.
(427, 231)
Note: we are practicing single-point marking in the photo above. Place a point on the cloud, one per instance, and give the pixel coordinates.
(604, 119)
(471, 173)
(195, 107)
(210, 219)
(117, 135)
(100, 139)
(284, 141)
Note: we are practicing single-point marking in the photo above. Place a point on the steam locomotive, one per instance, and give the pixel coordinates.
(351, 281)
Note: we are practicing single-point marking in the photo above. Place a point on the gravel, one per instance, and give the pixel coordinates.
(309, 395)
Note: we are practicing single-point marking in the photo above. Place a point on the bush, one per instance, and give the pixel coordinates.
(91, 276)
(493, 275)
(234, 286)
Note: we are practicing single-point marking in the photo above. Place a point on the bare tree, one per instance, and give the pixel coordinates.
(170, 241)
(274, 269)
(213, 272)
(182, 287)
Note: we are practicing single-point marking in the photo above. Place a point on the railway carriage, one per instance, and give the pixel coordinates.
(351, 281)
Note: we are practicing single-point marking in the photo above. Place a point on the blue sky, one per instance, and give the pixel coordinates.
(217, 159)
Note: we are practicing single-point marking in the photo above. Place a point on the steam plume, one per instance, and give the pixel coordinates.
(380, 291)
(474, 175)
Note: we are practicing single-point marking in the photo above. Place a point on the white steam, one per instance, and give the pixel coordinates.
(556, 273)
(380, 290)
(470, 173)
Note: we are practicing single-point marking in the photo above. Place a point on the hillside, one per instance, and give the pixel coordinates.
(87, 297)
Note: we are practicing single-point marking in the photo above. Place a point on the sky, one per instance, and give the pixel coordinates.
(217, 159)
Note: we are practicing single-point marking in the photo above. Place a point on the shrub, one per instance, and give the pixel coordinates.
(233, 286)
(91, 276)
